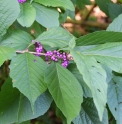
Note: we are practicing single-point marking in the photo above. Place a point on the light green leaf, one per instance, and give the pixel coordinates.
(9, 11)
(65, 90)
(55, 37)
(86, 90)
(6, 53)
(48, 17)
(67, 4)
(72, 43)
(27, 15)
(89, 114)
(108, 72)
(27, 73)
(112, 99)
(115, 98)
(14, 107)
(18, 40)
(99, 37)
(118, 85)
(116, 25)
(84, 48)
(95, 77)
(109, 54)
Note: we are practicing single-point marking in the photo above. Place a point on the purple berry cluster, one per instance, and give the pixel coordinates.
(57, 56)
(21, 1)
(52, 55)
(38, 48)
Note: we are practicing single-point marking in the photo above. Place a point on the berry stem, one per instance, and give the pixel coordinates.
(25, 51)
(30, 45)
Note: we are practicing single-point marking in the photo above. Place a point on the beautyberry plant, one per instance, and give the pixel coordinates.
(44, 65)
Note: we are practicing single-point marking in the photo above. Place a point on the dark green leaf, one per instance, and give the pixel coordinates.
(48, 17)
(6, 53)
(103, 4)
(112, 7)
(99, 37)
(95, 77)
(27, 15)
(18, 40)
(81, 3)
(67, 4)
(65, 90)
(89, 114)
(9, 11)
(55, 37)
(14, 107)
(75, 71)
(60, 115)
(27, 73)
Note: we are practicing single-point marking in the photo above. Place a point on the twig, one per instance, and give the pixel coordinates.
(86, 16)
(29, 45)
(88, 23)
(24, 51)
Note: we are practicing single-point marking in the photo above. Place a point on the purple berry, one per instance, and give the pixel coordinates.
(21, 1)
(38, 48)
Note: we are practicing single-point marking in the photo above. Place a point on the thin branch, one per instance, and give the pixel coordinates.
(29, 46)
(88, 23)
(30, 52)
(86, 16)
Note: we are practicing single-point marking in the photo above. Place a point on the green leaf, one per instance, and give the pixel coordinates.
(60, 115)
(36, 29)
(41, 106)
(116, 25)
(67, 4)
(109, 54)
(65, 90)
(27, 73)
(73, 69)
(81, 3)
(112, 99)
(55, 37)
(118, 83)
(112, 7)
(18, 40)
(84, 48)
(104, 5)
(108, 73)
(27, 15)
(72, 43)
(99, 37)
(48, 17)
(14, 107)
(9, 11)
(89, 114)
(64, 15)
(115, 98)
(6, 53)
(95, 77)
(27, 122)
